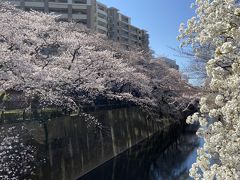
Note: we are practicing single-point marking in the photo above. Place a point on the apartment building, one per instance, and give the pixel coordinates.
(120, 29)
(94, 15)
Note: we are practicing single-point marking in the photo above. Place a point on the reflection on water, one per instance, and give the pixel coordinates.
(72, 146)
(149, 161)
(67, 148)
(175, 162)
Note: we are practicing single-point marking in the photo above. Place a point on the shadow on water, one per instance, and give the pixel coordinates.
(149, 161)
(67, 148)
(176, 160)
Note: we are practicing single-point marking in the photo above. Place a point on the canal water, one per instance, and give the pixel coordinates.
(171, 164)
(108, 144)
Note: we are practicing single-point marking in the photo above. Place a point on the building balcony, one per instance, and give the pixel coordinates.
(134, 32)
(79, 16)
(125, 22)
(57, 5)
(134, 39)
(34, 4)
(81, 2)
(125, 36)
(102, 28)
(102, 12)
(79, 6)
(124, 19)
(102, 19)
(124, 29)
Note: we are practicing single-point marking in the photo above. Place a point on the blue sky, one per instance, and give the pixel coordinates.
(161, 18)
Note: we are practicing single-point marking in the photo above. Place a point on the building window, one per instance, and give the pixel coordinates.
(80, 1)
(125, 26)
(79, 11)
(33, 0)
(101, 7)
(125, 19)
(58, 1)
(124, 33)
(82, 21)
(103, 16)
(59, 10)
(100, 23)
(124, 39)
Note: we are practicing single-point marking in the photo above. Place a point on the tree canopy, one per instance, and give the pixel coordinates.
(65, 64)
(217, 22)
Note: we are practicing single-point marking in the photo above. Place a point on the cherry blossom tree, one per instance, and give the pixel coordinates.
(18, 159)
(61, 63)
(218, 22)
(64, 64)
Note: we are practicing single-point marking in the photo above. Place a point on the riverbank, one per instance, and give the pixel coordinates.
(71, 146)
(154, 162)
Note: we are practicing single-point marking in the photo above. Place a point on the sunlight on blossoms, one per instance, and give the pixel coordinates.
(219, 121)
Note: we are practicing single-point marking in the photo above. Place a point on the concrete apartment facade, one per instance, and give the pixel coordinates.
(95, 16)
(120, 29)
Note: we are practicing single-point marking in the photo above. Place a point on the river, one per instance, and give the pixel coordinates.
(117, 144)
(171, 164)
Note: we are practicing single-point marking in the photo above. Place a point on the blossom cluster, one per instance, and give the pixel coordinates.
(17, 157)
(218, 22)
(66, 65)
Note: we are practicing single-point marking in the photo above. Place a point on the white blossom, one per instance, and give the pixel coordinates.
(218, 24)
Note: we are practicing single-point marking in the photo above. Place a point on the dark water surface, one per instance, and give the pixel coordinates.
(171, 164)
(68, 148)
(176, 161)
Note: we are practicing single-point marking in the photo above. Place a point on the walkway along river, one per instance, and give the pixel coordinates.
(126, 145)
